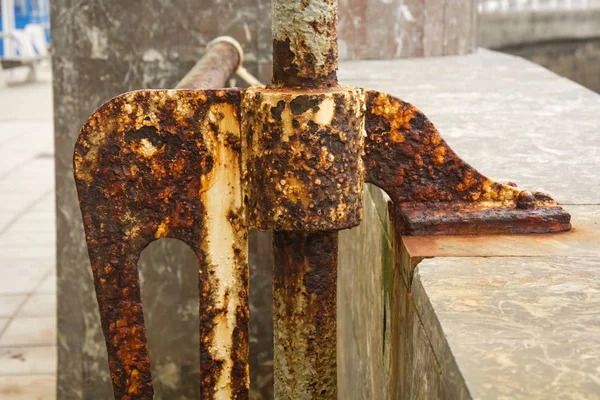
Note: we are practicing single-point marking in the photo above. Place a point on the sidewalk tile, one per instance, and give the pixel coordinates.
(10, 304)
(48, 286)
(39, 360)
(42, 387)
(39, 305)
(28, 331)
(18, 253)
(19, 279)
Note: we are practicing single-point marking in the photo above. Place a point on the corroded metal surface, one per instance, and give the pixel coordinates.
(434, 191)
(304, 172)
(305, 48)
(303, 169)
(581, 240)
(148, 165)
(304, 315)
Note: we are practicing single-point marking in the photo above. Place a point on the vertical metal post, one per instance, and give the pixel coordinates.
(305, 54)
(304, 323)
(305, 43)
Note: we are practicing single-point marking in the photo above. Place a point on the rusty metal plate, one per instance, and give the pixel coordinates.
(154, 164)
(433, 190)
(582, 240)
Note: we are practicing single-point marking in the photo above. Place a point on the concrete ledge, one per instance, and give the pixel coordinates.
(499, 316)
(515, 327)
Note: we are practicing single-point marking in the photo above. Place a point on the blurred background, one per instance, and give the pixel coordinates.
(561, 35)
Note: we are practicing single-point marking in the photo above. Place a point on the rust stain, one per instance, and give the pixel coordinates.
(150, 164)
(560, 244)
(433, 190)
(304, 307)
(296, 68)
(203, 166)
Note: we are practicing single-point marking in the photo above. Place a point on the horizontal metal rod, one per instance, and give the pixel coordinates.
(222, 58)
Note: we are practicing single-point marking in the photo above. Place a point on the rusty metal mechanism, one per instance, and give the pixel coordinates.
(206, 165)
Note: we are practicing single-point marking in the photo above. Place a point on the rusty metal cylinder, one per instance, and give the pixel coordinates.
(303, 177)
(304, 315)
(305, 43)
(303, 142)
(303, 168)
(221, 59)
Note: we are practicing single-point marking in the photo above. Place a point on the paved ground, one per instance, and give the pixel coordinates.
(27, 240)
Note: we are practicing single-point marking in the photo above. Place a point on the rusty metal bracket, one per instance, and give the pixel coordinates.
(206, 165)
(434, 192)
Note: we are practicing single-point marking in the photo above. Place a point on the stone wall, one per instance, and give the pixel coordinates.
(364, 305)
(375, 29)
(500, 316)
(566, 41)
(578, 60)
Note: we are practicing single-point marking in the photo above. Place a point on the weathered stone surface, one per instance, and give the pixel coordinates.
(374, 29)
(517, 327)
(364, 261)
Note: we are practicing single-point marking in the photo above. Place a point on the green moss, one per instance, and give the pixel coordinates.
(387, 280)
